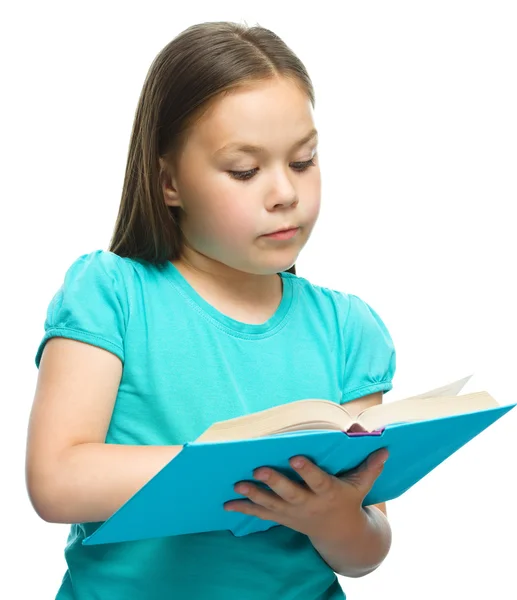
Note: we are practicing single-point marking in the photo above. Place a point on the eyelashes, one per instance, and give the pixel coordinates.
(298, 167)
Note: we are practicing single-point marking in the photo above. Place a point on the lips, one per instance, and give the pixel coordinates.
(281, 230)
(282, 234)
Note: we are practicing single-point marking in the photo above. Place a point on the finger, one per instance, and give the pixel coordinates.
(377, 459)
(317, 480)
(373, 460)
(269, 500)
(363, 477)
(287, 490)
(246, 507)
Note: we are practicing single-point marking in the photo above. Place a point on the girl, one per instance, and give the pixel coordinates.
(195, 315)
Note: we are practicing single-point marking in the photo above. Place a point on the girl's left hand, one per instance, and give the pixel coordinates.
(324, 506)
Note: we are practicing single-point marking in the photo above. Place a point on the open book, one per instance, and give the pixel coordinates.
(188, 494)
(303, 415)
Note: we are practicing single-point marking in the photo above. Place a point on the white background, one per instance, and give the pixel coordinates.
(416, 108)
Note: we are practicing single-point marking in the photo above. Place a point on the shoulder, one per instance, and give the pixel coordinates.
(98, 263)
(343, 305)
(348, 313)
(102, 270)
(98, 283)
(364, 345)
(92, 303)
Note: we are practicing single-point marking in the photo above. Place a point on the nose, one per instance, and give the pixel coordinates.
(283, 193)
(283, 203)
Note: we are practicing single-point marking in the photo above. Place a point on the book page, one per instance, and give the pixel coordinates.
(421, 409)
(293, 416)
(315, 414)
(451, 389)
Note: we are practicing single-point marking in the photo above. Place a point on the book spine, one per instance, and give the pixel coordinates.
(364, 433)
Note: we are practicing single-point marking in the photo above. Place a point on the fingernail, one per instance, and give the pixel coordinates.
(262, 475)
(298, 463)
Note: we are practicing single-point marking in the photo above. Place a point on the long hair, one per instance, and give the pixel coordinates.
(201, 63)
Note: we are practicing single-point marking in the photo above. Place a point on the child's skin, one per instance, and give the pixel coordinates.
(72, 475)
(353, 540)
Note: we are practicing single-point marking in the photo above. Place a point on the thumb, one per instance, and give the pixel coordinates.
(364, 476)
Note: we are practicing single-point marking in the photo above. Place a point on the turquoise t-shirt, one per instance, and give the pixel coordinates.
(185, 366)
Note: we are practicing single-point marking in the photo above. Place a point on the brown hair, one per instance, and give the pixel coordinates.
(204, 61)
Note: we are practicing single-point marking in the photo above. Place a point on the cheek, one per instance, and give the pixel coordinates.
(311, 200)
(314, 210)
(225, 219)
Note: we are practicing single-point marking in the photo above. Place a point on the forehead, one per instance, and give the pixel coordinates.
(276, 113)
(247, 148)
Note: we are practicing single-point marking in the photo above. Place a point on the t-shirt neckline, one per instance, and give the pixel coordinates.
(228, 323)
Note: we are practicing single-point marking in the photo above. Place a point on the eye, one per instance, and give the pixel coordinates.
(298, 167)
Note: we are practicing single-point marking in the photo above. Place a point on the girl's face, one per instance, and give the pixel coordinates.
(225, 214)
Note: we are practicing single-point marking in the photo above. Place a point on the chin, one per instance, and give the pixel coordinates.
(264, 269)
(270, 264)
(277, 268)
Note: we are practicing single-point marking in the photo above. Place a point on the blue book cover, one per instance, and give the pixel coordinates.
(188, 494)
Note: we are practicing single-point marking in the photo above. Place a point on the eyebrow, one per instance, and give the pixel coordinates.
(251, 149)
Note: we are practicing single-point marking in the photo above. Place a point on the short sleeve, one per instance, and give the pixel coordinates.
(91, 305)
(370, 359)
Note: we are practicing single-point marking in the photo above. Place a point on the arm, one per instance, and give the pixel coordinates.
(364, 548)
(352, 539)
(72, 476)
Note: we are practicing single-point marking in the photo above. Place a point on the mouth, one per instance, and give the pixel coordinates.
(284, 230)
(283, 234)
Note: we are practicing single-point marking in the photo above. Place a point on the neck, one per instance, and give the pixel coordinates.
(217, 278)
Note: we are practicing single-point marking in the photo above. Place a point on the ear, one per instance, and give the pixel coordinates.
(168, 185)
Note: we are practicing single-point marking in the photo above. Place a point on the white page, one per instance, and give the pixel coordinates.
(451, 389)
